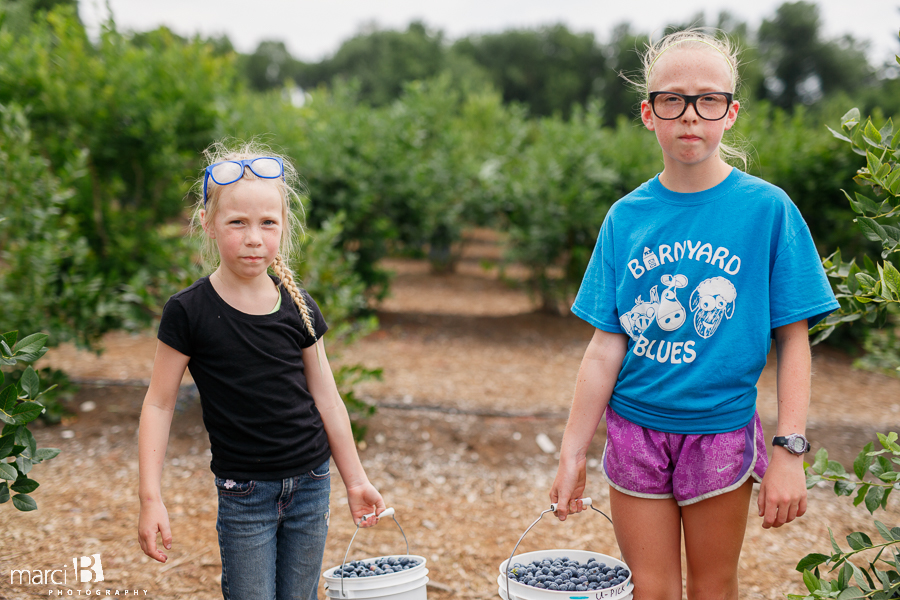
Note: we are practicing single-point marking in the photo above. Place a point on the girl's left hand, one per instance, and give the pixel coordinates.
(364, 500)
(782, 494)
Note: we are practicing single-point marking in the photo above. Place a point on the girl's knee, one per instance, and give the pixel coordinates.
(712, 586)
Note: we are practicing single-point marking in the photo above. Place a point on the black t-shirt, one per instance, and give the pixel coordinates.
(261, 418)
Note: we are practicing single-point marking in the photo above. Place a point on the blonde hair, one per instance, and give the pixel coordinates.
(694, 39)
(291, 204)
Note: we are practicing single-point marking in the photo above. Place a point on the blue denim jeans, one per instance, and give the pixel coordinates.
(272, 535)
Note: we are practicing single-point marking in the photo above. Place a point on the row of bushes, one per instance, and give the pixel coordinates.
(100, 142)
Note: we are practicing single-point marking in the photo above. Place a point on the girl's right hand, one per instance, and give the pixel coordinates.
(154, 518)
(568, 487)
(364, 499)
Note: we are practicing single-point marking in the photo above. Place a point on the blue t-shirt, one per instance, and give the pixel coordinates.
(699, 281)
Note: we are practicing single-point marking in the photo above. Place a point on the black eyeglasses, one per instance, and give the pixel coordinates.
(710, 107)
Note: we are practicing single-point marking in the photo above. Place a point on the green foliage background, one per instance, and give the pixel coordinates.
(404, 140)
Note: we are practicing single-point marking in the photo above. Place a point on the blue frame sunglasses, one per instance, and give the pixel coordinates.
(229, 171)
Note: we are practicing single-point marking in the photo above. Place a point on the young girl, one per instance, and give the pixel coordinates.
(254, 346)
(694, 273)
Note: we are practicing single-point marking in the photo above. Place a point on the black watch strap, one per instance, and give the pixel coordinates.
(794, 443)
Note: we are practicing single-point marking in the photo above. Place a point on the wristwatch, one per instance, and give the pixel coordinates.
(794, 443)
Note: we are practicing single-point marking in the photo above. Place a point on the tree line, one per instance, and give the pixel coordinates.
(100, 141)
(787, 61)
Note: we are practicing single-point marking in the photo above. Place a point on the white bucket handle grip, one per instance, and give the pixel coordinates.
(584, 502)
(388, 512)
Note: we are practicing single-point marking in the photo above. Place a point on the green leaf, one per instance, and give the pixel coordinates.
(7, 404)
(24, 502)
(835, 469)
(23, 485)
(46, 453)
(31, 344)
(895, 531)
(811, 561)
(871, 134)
(8, 472)
(851, 593)
(811, 581)
(838, 135)
(821, 462)
(860, 578)
(882, 578)
(889, 442)
(859, 540)
(866, 203)
(880, 466)
(10, 338)
(884, 531)
(887, 130)
(866, 281)
(26, 439)
(30, 383)
(892, 277)
(6, 446)
(872, 230)
(25, 412)
(844, 487)
(844, 576)
(4, 492)
(863, 461)
(834, 546)
(850, 118)
(873, 498)
(24, 464)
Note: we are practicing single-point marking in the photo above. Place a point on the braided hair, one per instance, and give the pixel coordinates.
(286, 276)
(206, 208)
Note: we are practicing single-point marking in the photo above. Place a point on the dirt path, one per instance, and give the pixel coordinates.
(472, 377)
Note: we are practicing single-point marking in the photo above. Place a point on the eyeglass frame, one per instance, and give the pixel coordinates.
(690, 101)
(246, 162)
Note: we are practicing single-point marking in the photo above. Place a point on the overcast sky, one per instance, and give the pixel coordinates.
(315, 29)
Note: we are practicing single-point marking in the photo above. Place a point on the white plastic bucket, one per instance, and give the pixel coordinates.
(520, 591)
(402, 585)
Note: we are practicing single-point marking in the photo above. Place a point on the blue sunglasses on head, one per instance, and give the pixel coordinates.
(229, 171)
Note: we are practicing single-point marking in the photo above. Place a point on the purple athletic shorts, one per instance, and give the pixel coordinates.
(652, 464)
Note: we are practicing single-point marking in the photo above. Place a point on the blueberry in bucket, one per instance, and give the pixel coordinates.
(381, 566)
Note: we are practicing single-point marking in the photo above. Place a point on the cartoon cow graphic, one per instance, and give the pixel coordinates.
(636, 320)
(713, 299)
(671, 313)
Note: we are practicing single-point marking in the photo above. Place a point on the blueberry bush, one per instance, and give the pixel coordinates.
(869, 291)
(20, 404)
(874, 474)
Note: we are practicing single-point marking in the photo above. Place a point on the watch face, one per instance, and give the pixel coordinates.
(797, 445)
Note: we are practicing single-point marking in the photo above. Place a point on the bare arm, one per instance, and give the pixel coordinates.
(153, 437)
(782, 494)
(596, 379)
(361, 495)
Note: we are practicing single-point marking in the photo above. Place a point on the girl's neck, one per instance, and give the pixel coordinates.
(689, 179)
(254, 296)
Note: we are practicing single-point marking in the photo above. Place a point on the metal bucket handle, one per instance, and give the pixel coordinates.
(388, 512)
(584, 501)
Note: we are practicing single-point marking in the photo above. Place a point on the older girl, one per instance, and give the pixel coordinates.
(717, 264)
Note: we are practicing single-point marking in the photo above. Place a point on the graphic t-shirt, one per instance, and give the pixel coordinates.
(698, 282)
